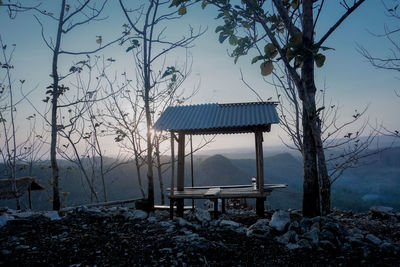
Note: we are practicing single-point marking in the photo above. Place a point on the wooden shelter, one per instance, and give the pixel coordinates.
(255, 118)
(23, 184)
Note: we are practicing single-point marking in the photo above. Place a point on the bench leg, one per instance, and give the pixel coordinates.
(179, 207)
(216, 208)
(260, 207)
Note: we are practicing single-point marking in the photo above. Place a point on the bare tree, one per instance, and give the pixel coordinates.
(72, 15)
(9, 131)
(148, 23)
(390, 61)
(346, 143)
(84, 128)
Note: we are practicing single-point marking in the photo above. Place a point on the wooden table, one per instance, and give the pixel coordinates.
(220, 192)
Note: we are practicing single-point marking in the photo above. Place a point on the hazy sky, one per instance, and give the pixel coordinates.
(352, 83)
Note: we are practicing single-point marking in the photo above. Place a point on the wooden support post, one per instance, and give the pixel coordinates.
(30, 198)
(223, 206)
(181, 173)
(260, 172)
(171, 208)
(171, 192)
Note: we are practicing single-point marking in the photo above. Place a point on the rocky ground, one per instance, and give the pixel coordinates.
(122, 236)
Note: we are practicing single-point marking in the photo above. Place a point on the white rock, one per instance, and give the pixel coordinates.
(52, 215)
(260, 229)
(280, 219)
(312, 235)
(229, 223)
(288, 237)
(166, 224)
(382, 211)
(139, 215)
(152, 219)
(24, 214)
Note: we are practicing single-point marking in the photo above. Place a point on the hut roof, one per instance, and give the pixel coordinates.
(218, 118)
(23, 184)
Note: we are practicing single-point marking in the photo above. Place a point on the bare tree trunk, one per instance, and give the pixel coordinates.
(150, 188)
(313, 165)
(53, 140)
(139, 175)
(311, 204)
(12, 155)
(159, 172)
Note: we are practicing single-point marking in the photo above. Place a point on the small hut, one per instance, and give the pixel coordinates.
(23, 184)
(255, 118)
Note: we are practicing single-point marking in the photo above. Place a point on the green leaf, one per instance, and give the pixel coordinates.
(175, 3)
(266, 68)
(295, 4)
(233, 40)
(297, 39)
(219, 28)
(222, 37)
(134, 44)
(204, 4)
(182, 10)
(170, 70)
(270, 50)
(319, 60)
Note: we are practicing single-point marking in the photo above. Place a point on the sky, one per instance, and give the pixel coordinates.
(351, 81)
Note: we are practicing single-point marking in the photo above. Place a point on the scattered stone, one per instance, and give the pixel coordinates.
(52, 215)
(312, 235)
(139, 215)
(305, 224)
(260, 229)
(21, 247)
(192, 242)
(3, 220)
(294, 226)
(81, 209)
(325, 244)
(203, 216)
(381, 212)
(288, 237)
(292, 246)
(166, 223)
(373, 239)
(305, 244)
(280, 219)
(315, 225)
(24, 214)
(228, 223)
(327, 235)
(152, 219)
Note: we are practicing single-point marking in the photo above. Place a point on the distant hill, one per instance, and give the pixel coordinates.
(375, 183)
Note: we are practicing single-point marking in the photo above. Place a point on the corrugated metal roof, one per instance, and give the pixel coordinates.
(217, 116)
